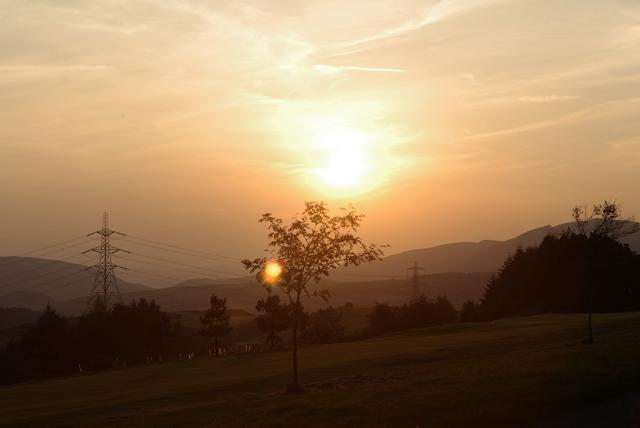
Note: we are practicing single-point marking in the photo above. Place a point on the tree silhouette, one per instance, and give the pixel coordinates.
(566, 273)
(383, 318)
(604, 221)
(215, 321)
(274, 317)
(308, 248)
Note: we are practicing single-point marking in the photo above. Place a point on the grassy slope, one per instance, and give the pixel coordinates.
(506, 373)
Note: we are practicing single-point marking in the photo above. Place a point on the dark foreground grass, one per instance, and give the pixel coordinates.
(506, 373)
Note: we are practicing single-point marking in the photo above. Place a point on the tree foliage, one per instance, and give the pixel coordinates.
(566, 273)
(273, 318)
(604, 220)
(308, 248)
(312, 245)
(126, 335)
(215, 321)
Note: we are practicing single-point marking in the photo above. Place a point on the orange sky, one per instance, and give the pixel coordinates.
(186, 119)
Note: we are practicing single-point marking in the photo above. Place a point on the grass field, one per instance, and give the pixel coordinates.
(511, 372)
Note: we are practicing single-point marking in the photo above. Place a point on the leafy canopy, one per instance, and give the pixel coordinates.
(312, 245)
(215, 321)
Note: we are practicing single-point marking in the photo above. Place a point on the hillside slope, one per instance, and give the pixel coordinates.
(458, 287)
(513, 372)
(483, 256)
(33, 282)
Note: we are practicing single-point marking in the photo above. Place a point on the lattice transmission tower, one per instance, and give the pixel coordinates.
(415, 280)
(105, 284)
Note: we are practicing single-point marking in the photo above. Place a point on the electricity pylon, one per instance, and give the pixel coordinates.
(105, 284)
(415, 284)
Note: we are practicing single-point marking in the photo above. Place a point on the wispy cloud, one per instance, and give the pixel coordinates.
(330, 69)
(439, 11)
(598, 111)
(547, 98)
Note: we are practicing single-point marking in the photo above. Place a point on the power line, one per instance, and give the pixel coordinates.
(23, 258)
(45, 248)
(174, 268)
(365, 275)
(42, 275)
(184, 248)
(165, 261)
(202, 255)
(145, 278)
(163, 277)
(49, 290)
(42, 266)
(41, 283)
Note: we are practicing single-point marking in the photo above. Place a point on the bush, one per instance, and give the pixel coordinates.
(323, 326)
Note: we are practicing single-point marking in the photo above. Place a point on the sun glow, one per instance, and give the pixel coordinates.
(344, 154)
(346, 162)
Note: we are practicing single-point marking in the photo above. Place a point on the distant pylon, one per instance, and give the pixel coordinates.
(415, 280)
(105, 284)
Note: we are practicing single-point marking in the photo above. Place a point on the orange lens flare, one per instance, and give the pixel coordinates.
(272, 271)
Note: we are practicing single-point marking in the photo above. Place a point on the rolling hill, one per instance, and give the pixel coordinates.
(458, 270)
(483, 256)
(32, 282)
(243, 295)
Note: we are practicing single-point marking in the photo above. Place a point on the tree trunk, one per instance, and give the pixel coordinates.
(294, 387)
(591, 295)
(295, 351)
(215, 344)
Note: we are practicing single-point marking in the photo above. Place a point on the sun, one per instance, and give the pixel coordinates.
(345, 159)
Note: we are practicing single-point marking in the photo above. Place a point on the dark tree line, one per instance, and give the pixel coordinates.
(585, 269)
(421, 312)
(135, 333)
(567, 273)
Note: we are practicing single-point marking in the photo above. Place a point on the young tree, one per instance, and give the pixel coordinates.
(274, 317)
(215, 321)
(604, 221)
(307, 249)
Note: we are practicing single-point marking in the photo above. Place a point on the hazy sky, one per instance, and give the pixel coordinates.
(442, 120)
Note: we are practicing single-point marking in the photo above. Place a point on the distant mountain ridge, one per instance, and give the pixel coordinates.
(459, 270)
(483, 256)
